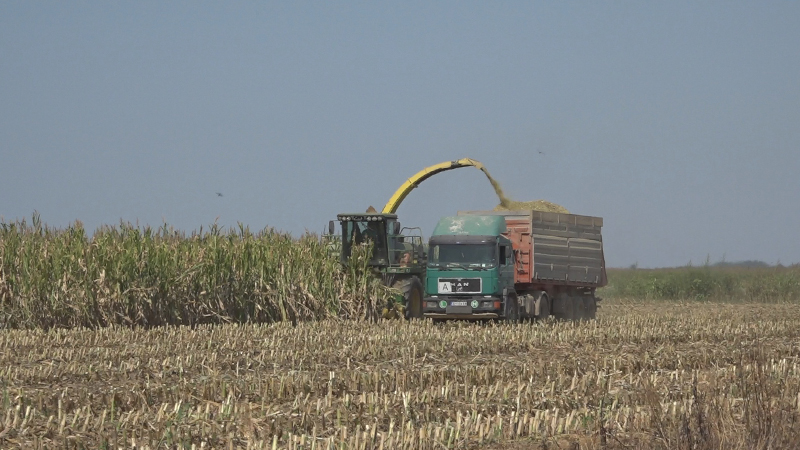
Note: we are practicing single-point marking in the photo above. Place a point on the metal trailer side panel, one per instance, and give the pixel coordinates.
(555, 248)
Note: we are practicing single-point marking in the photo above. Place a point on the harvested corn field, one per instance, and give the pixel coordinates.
(644, 375)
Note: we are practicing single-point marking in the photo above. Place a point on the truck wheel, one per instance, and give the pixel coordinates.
(590, 308)
(511, 309)
(564, 307)
(411, 288)
(579, 308)
(543, 304)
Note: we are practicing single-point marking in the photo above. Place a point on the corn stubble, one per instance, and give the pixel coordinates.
(644, 375)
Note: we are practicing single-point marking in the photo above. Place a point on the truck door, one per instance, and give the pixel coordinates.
(505, 267)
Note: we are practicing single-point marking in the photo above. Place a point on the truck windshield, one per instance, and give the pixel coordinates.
(359, 232)
(463, 255)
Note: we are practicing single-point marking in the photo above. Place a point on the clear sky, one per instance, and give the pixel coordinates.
(677, 122)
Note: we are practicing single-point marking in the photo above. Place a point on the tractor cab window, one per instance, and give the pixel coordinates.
(361, 232)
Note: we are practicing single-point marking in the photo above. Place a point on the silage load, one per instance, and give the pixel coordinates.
(506, 204)
(535, 205)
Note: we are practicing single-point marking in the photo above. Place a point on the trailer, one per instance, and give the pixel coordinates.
(543, 264)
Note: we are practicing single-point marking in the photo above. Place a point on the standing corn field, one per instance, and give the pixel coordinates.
(127, 275)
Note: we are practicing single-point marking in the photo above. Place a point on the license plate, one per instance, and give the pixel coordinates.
(451, 309)
(464, 303)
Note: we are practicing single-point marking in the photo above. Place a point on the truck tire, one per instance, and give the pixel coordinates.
(590, 308)
(411, 288)
(511, 308)
(579, 308)
(543, 306)
(564, 307)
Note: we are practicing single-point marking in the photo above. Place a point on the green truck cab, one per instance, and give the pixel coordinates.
(470, 270)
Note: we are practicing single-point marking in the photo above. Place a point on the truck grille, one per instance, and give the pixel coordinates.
(459, 285)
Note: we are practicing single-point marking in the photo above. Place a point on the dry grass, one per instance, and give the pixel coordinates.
(644, 375)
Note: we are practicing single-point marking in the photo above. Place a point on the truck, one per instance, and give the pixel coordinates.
(513, 265)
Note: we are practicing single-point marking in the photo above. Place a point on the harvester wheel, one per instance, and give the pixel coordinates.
(411, 288)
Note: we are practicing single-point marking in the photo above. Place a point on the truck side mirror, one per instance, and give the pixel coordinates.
(502, 254)
(331, 227)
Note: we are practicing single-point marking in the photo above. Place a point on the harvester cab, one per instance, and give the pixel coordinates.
(392, 250)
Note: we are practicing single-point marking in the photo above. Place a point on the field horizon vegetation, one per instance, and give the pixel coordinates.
(149, 338)
(129, 275)
(746, 281)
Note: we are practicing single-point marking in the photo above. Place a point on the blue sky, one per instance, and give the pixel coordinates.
(677, 122)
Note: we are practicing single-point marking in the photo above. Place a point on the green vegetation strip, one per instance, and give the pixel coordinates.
(769, 284)
(126, 275)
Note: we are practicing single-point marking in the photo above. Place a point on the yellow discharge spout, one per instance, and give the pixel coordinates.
(401, 193)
